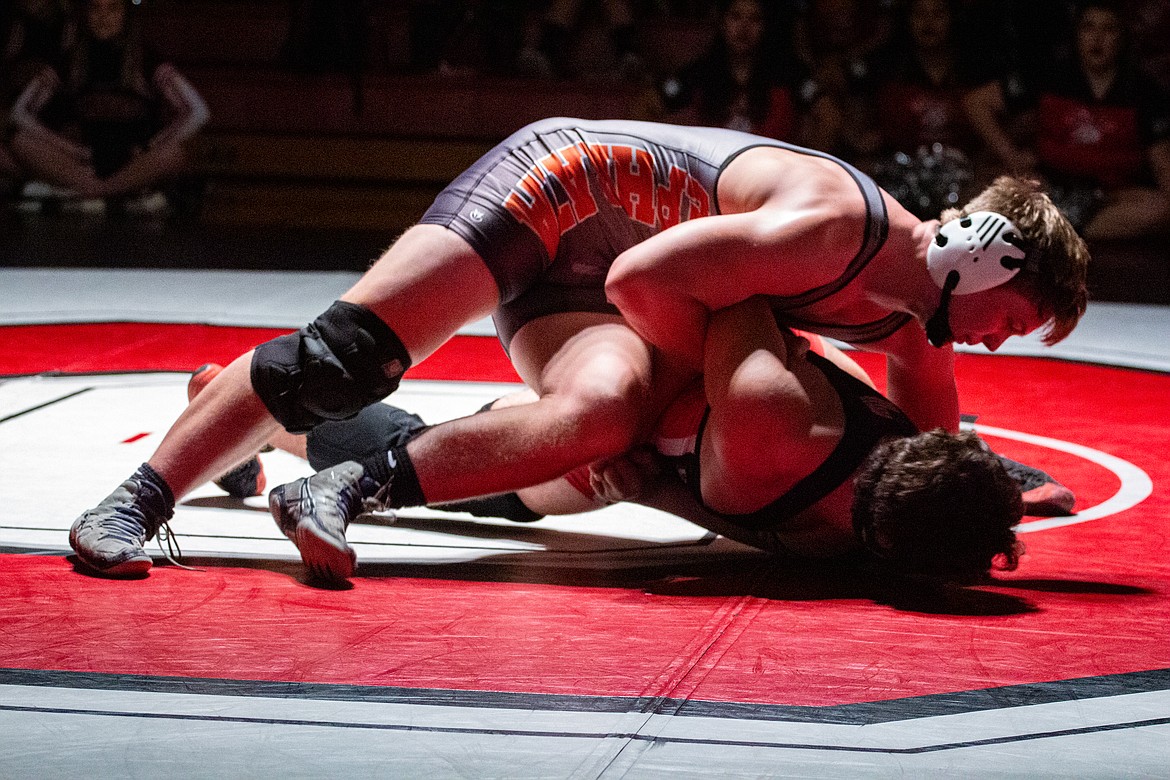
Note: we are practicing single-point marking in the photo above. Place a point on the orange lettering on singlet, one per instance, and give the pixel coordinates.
(700, 201)
(568, 167)
(634, 181)
(529, 203)
(670, 198)
(681, 199)
(625, 177)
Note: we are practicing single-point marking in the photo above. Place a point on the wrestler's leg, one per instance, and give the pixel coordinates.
(247, 478)
(381, 427)
(593, 376)
(428, 284)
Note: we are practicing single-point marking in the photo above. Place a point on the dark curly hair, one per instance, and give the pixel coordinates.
(938, 504)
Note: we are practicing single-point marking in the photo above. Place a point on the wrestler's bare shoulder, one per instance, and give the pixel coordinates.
(776, 178)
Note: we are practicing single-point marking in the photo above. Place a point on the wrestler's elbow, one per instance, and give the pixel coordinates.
(632, 287)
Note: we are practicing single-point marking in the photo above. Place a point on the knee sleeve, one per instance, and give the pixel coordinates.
(374, 430)
(331, 369)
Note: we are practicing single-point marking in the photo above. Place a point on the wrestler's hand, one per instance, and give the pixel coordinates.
(624, 478)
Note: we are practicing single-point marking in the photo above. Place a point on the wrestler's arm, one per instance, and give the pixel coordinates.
(920, 378)
(636, 478)
(840, 359)
(782, 243)
(670, 495)
(761, 418)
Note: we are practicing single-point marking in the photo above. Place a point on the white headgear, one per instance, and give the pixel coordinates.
(984, 248)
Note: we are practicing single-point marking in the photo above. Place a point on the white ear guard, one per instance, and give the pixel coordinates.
(983, 248)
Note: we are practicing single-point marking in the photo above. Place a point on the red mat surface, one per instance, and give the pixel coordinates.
(1089, 599)
(136, 346)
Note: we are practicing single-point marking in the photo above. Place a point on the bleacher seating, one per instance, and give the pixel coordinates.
(332, 150)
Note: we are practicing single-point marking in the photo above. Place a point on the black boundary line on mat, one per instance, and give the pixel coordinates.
(891, 710)
(40, 406)
(597, 735)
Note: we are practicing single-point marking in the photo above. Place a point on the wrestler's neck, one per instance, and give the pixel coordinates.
(899, 280)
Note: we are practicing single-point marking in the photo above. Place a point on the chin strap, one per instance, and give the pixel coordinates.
(938, 327)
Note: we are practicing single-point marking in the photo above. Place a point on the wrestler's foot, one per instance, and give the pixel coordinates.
(314, 513)
(109, 537)
(1043, 496)
(1051, 499)
(246, 479)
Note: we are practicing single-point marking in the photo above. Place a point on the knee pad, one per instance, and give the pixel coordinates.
(331, 369)
(374, 430)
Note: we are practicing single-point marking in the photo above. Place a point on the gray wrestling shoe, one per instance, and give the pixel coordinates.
(315, 511)
(109, 537)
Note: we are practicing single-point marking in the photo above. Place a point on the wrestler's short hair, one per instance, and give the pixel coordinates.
(938, 504)
(1058, 280)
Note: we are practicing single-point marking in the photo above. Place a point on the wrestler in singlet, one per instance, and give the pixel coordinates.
(869, 418)
(552, 206)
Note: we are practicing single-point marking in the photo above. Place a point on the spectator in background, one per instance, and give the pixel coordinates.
(835, 39)
(922, 142)
(920, 78)
(468, 36)
(1149, 21)
(34, 34)
(1003, 35)
(127, 117)
(1102, 131)
(330, 36)
(432, 24)
(747, 81)
(327, 36)
(561, 27)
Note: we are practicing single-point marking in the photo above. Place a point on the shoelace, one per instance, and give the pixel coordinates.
(377, 502)
(135, 530)
(123, 528)
(172, 552)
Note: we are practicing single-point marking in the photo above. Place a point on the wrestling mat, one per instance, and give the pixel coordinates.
(619, 643)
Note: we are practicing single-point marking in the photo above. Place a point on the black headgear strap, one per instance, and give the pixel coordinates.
(938, 327)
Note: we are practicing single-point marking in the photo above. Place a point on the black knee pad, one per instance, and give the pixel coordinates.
(375, 429)
(331, 369)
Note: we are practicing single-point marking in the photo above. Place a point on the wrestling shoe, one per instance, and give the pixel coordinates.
(246, 479)
(314, 512)
(1043, 496)
(1051, 499)
(109, 537)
